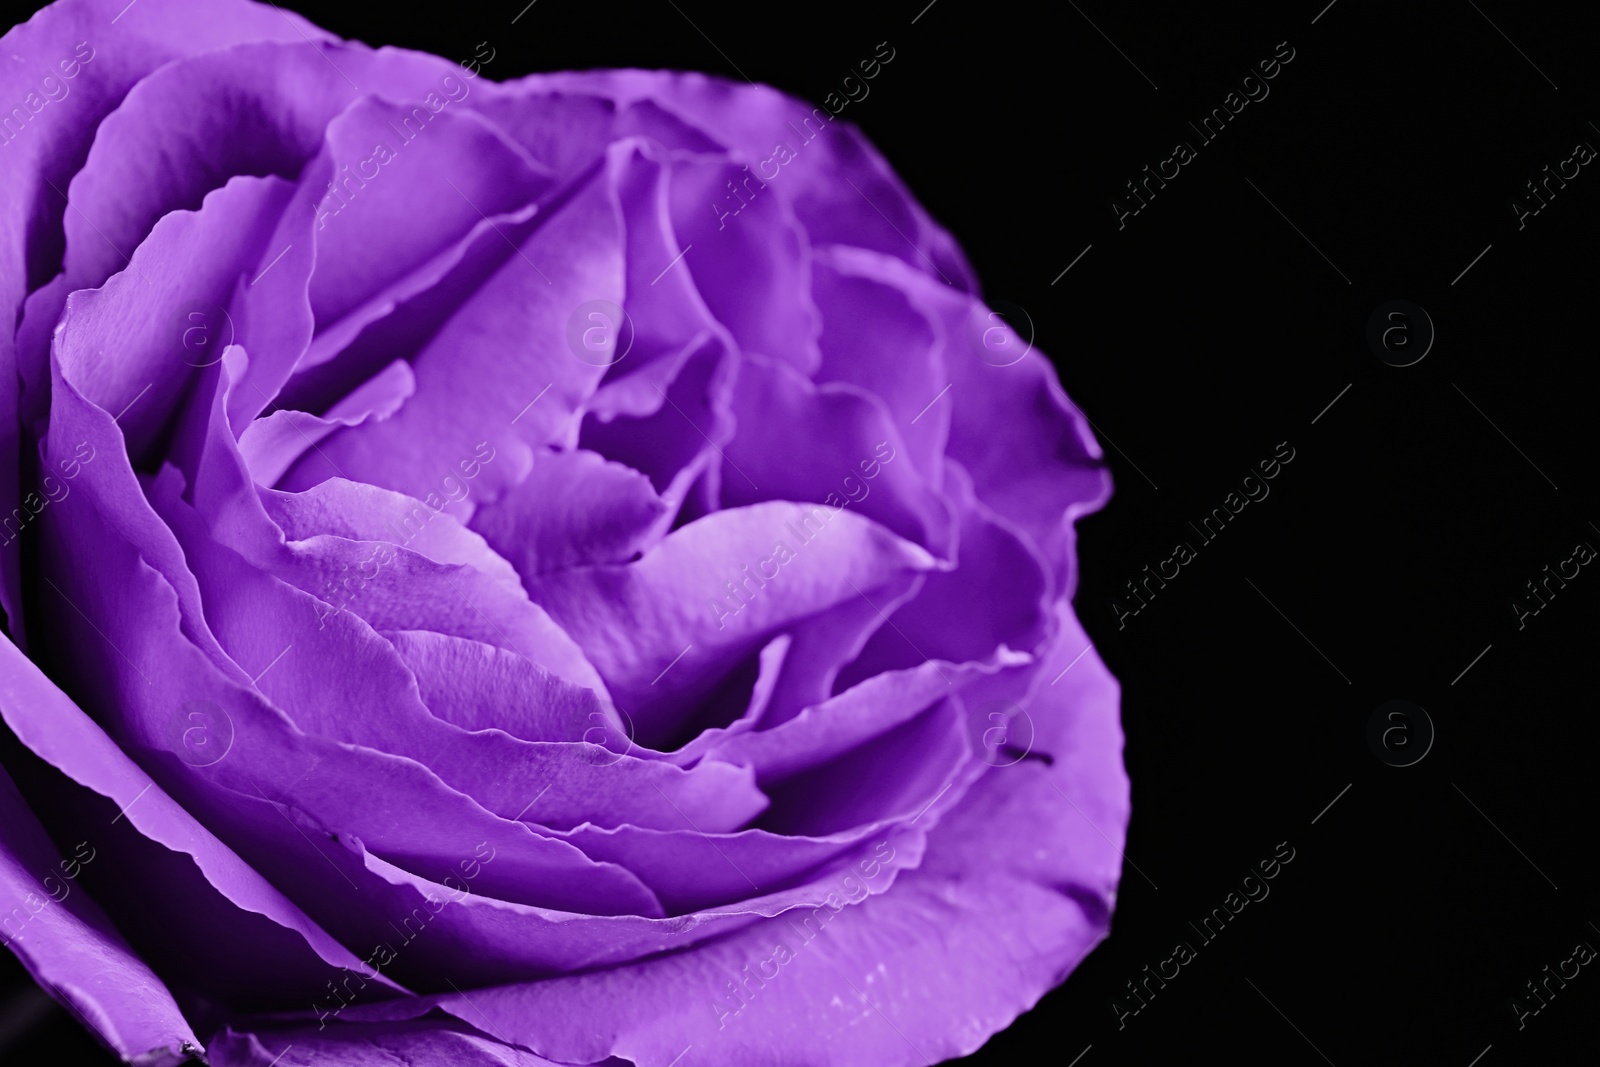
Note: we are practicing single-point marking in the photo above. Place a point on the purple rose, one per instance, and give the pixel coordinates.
(565, 571)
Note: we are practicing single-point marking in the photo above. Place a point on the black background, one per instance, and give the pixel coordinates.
(1219, 321)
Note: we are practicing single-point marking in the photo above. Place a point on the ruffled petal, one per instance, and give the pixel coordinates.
(130, 601)
(1015, 889)
(40, 159)
(573, 510)
(997, 599)
(71, 949)
(291, 950)
(680, 601)
(157, 153)
(866, 710)
(753, 872)
(270, 445)
(388, 158)
(847, 462)
(754, 267)
(875, 338)
(499, 370)
(840, 188)
(478, 686)
(123, 343)
(671, 421)
(369, 1045)
(1031, 453)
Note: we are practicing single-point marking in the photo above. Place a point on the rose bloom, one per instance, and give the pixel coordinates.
(565, 571)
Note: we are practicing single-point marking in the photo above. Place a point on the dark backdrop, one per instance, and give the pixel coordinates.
(1199, 334)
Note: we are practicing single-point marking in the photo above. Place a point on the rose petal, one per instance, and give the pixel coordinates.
(1015, 890)
(460, 586)
(52, 726)
(1030, 452)
(370, 1045)
(482, 687)
(849, 434)
(374, 702)
(122, 343)
(383, 167)
(866, 710)
(508, 942)
(873, 337)
(355, 511)
(678, 444)
(156, 153)
(38, 163)
(574, 509)
(998, 597)
(504, 348)
(1057, 822)
(753, 269)
(665, 310)
(565, 131)
(392, 321)
(825, 643)
(635, 622)
(647, 119)
(769, 665)
(896, 775)
(270, 445)
(72, 950)
(693, 871)
(391, 803)
(841, 189)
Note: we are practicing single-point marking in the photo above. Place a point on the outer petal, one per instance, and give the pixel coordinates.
(998, 597)
(823, 731)
(802, 153)
(369, 1045)
(1031, 453)
(71, 948)
(1016, 888)
(875, 338)
(283, 938)
(37, 164)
